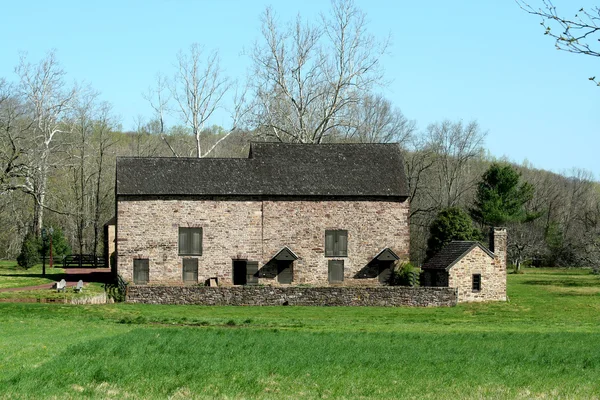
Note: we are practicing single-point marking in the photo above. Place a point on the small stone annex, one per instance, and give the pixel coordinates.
(478, 273)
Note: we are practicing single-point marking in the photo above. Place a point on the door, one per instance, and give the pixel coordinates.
(385, 272)
(285, 271)
(245, 272)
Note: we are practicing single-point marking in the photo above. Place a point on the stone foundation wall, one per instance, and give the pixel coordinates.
(294, 296)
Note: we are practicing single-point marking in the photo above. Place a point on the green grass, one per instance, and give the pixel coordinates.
(13, 276)
(544, 343)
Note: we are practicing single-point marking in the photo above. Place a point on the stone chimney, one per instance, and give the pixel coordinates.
(498, 243)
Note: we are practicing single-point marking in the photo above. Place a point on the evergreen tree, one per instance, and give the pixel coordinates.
(29, 255)
(450, 224)
(501, 197)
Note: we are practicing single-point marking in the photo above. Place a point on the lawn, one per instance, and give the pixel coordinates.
(544, 343)
(12, 276)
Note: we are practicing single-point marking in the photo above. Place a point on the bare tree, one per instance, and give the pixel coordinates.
(374, 120)
(577, 35)
(198, 89)
(15, 166)
(307, 78)
(159, 97)
(454, 145)
(49, 98)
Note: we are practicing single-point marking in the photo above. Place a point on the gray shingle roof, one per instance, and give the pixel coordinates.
(275, 169)
(452, 253)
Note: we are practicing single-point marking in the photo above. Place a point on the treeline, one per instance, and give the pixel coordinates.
(310, 82)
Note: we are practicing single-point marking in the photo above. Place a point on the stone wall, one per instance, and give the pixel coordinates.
(493, 276)
(294, 296)
(256, 229)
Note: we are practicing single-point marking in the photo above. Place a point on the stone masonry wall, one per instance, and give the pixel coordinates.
(493, 277)
(255, 230)
(293, 296)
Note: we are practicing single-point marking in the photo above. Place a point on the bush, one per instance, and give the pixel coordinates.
(29, 255)
(450, 224)
(405, 275)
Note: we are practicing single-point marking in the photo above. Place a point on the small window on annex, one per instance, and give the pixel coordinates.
(336, 243)
(476, 282)
(190, 241)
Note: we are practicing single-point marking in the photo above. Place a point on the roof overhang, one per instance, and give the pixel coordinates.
(386, 254)
(285, 254)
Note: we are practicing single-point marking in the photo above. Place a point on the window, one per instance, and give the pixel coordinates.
(476, 282)
(336, 271)
(141, 271)
(190, 270)
(336, 243)
(190, 241)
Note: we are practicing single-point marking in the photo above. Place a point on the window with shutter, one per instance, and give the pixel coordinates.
(476, 282)
(190, 241)
(336, 243)
(190, 270)
(141, 271)
(336, 271)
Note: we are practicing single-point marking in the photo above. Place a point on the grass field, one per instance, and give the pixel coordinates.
(544, 343)
(13, 276)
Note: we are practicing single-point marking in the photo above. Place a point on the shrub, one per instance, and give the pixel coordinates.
(29, 255)
(405, 274)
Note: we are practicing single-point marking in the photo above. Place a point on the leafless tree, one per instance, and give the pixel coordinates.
(49, 98)
(578, 35)
(455, 145)
(15, 165)
(374, 120)
(159, 97)
(198, 89)
(308, 77)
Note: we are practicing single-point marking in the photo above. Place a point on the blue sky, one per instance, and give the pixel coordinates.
(471, 59)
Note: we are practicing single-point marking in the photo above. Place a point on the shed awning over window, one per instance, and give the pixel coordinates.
(386, 255)
(285, 254)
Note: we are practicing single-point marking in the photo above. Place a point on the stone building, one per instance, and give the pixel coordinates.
(288, 214)
(478, 273)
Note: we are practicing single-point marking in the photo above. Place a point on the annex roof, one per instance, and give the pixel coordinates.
(274, 169)
(452, 253)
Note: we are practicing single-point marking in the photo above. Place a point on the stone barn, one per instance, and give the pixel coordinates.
(287, 215)
(477, 272)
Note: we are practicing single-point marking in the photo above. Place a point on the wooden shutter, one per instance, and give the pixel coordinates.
(252, 273)
(141, 271)
(196, 241)
(190, 270)
(336, 271)
(329, 243)
(285, 271)
(342, 243)
(183, 241)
